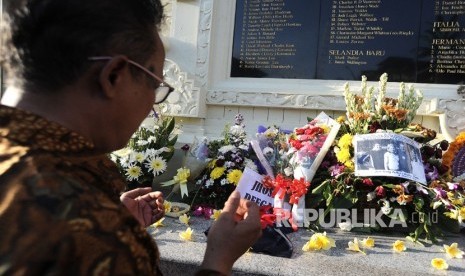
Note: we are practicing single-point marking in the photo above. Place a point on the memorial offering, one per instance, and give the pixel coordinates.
(228, 158)
(148, 151)
(416, 196)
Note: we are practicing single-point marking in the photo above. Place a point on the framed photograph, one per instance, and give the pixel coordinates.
(388, 154)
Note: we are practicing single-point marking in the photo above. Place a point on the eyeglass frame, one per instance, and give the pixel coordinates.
(157, 78)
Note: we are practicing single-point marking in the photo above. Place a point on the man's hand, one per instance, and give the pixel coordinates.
(235, 231)
(146, 206)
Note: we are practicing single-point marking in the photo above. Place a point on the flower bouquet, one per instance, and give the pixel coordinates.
(150, 148)
(228, 158)
(383, 201)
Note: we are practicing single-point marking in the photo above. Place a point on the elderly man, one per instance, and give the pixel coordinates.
(81, 78)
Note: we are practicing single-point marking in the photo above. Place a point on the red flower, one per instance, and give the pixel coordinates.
(267, 218)
(296, 144)
(380, 191)
(299, 131)
(268, 182)
(367, 182)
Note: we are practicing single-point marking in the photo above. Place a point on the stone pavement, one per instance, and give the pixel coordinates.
(182, 258)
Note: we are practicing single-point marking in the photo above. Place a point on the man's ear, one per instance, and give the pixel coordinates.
(113, 74)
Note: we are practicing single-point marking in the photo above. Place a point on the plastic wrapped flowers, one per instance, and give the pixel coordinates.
(228, 156)
(148, 151)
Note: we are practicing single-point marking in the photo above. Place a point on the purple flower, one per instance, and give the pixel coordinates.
(207, 212)
(261, 129)
(198, 211)
(431, 172)
(440, 193)
(454, 186)
(336, 169)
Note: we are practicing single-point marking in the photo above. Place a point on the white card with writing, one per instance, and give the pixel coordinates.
(251, 188)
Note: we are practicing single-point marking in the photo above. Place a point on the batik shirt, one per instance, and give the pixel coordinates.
(60, 211)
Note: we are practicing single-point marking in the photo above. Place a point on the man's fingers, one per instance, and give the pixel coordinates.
(232, 204)
(136, 192)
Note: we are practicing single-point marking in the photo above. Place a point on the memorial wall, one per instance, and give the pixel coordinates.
(413, 41)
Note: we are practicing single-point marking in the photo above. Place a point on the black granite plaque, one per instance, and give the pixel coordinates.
(413, 41)
(275, 38)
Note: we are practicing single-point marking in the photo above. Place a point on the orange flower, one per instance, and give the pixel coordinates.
(404, 199)
(398, 189)
(454, 147)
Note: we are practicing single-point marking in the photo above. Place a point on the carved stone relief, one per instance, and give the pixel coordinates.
(184, 101)
(454, 111)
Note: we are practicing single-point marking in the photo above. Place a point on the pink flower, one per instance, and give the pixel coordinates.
(336, 169)
(380, 191)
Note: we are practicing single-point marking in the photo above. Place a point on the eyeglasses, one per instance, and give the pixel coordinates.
(161, 92)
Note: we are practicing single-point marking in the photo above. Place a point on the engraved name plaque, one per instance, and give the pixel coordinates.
(419, 41)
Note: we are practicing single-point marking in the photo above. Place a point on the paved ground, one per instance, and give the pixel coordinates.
(182, 258)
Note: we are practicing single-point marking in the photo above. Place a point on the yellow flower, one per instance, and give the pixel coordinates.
(343, 155)
(457, 201)
(354, 246)
(217, 172)
(186, 235)
(182, 175)
(439, 263)
(325, 128)
(159, 223)
(184, 219)
(345, 141)
(453, 214)
(216, 214)
(341, 119)
(234, 176)
(350, 165)
(462, 213)
(399, 246)
(453, 251)
(368, 242)
(319, 241)
(167, 206)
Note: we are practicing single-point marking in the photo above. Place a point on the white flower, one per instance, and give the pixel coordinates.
(288, 171)
(268, 151)
(229, 164)
(236, 130)
(227, 148)
(243, 147)
(250, 164)
(386, 209)
(152, 139)
(345, 226)
(124, 161)
(142, 142)
(371, 196)
(149, 153)
(157, 165)
(209, 183)
(137, 156)
(133, 173)
(224, 181)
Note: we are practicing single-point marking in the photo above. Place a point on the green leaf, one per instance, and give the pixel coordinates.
(320, 188)
(419, 202)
